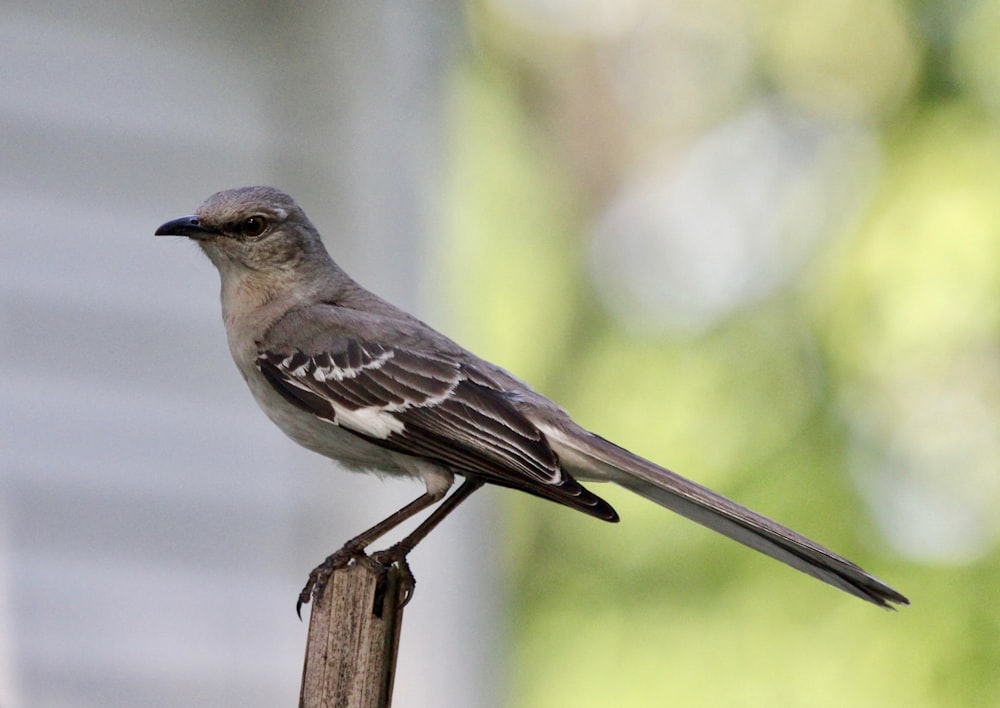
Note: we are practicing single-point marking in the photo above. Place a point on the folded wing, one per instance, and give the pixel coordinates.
(429, 406)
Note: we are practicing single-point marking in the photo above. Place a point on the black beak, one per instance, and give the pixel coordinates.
(189, 226)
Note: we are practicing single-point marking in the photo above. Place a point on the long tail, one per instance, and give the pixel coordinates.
(590, 457)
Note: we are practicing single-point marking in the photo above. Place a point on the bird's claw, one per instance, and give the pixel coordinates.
(320, 575)
(394, 556)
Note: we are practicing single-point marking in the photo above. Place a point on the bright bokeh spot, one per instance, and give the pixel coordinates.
(915, 334)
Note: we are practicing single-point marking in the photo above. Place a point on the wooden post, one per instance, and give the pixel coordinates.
(353, 639)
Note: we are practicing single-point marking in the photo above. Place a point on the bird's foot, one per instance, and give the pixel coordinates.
(320, 575)
(396, 556)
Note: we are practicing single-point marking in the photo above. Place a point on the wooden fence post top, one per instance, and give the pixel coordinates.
(354, 638)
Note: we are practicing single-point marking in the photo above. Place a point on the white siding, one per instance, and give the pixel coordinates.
(154, 528)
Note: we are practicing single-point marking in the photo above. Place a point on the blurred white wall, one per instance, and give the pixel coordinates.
(154, 528)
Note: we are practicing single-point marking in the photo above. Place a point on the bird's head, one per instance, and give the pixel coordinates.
(258, 229)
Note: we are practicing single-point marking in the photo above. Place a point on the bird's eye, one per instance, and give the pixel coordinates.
(253, 226)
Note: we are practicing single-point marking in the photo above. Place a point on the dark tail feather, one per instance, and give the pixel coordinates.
(591, 457)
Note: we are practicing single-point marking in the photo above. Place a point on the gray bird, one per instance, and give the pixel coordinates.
(352, 377)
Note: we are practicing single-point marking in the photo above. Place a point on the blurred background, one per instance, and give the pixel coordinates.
(758, 242)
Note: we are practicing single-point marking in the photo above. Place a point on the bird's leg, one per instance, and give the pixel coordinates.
(354, 548)
(396, 553)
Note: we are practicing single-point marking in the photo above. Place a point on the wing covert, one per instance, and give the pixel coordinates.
(428, 406)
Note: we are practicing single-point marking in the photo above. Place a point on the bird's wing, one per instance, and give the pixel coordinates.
(429, 406)
(591, 457)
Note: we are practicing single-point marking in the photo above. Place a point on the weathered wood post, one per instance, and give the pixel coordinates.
(354, 638)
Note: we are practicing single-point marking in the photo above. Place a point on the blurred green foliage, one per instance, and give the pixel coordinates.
(858, 403)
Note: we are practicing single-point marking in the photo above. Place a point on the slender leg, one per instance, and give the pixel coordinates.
(356, 547)
(437, 516)
(397, 552)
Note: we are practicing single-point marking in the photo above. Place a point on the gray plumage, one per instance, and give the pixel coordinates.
(349, 376)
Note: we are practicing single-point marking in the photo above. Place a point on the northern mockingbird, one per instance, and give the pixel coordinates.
(348, 375)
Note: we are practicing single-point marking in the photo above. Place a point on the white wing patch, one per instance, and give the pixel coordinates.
(372, 421)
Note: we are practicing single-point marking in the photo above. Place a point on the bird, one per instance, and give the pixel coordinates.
(350, 376)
